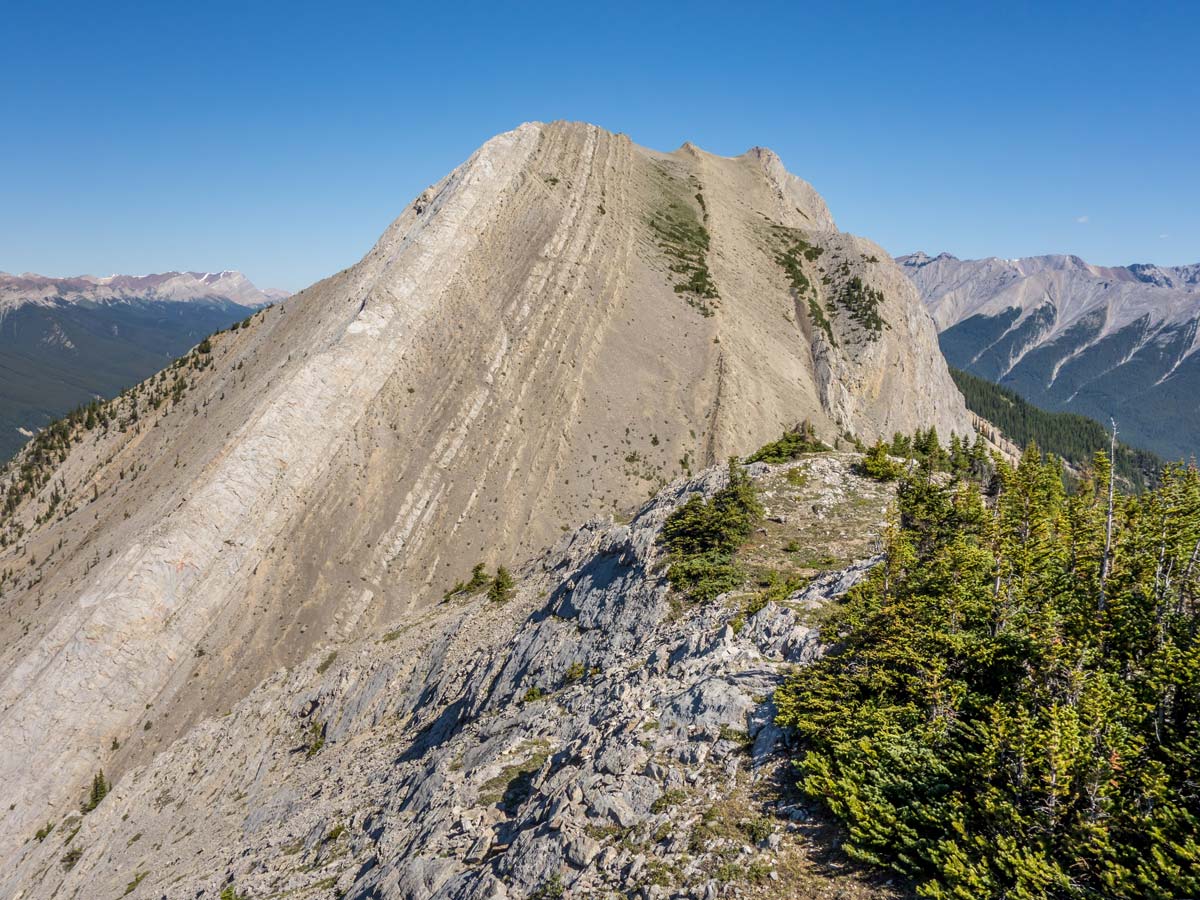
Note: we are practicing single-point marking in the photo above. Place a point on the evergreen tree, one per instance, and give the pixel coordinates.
(502, 585)
(878, 464)
(985, 727)
(100, 789)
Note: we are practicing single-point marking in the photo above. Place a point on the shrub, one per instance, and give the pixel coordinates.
(551, 889)
(862, 302)
(99, 790)
(316, 739)
(667, 799)
(706, 576)
(877, 464)
(703, 534)
(802, 439)
(473, 585)
(720, 524)
(502, 586)
(681, 235)
(757, 829)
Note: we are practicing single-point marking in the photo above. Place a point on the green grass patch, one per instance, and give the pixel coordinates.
(514, 785)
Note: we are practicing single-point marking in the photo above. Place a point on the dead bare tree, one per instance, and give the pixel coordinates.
(1106, 562)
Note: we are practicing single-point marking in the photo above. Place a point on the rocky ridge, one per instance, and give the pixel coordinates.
(562, 325)
(590, 735)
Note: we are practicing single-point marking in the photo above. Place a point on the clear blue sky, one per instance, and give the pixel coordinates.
(281, 138)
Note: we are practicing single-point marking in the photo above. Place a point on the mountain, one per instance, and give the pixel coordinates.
(1073, 438)
(1103, 342)
(562, 325)
(168, 287)
(66, 341)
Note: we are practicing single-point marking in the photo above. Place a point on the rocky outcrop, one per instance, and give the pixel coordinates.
(594, 733)
(564, 323)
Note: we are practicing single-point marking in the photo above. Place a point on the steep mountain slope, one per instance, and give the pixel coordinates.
(561, 324)
(65, 341)
(1073, 438)
(589, 733)
(1068, 336)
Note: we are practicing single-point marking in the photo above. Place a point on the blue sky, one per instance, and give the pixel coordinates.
(281, 138)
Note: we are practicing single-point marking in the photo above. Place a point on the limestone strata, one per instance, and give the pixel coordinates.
(520, 351)
(583, 732)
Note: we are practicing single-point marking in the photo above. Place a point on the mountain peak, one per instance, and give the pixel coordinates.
(561, 322)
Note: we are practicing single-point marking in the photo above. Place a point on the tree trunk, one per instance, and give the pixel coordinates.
(1105, 563)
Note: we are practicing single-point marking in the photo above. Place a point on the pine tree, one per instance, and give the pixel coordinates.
(100, 789)
(985, 727)
(502, 585)
(878, 464)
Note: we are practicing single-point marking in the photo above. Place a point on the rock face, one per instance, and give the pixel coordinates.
(564, 322)
(1068, 336)
(589, 733)
(66, 341)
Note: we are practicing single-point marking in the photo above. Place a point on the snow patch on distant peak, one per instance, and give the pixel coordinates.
(227, 285)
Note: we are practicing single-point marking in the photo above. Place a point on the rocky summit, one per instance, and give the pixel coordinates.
(562, 326)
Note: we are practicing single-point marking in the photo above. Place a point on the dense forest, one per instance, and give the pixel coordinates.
(1072, 437)
(1012, 705)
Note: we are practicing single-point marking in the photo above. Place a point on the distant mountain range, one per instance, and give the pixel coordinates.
(65, 341)
(1104, 342)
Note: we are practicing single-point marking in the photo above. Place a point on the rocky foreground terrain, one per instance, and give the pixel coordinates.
(560, 327)
(595, 734)
(1118, 341)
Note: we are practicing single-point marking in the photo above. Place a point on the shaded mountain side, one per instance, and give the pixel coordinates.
(553, 331)
(55, 356)
(1071, 437)
(1117, 342)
